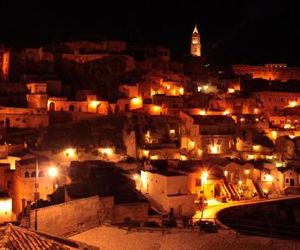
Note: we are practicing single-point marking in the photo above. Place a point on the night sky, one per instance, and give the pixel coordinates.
(252, 32)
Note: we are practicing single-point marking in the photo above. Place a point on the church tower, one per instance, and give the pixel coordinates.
(195, 43)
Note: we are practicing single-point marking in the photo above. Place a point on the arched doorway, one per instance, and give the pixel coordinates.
(71, 108)
(52, 106)
(7, 123)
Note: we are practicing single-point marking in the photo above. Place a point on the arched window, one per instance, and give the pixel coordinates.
(32, 174)
(26, 175)
(52, 106)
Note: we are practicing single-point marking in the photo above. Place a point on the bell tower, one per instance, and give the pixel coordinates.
(195, 43)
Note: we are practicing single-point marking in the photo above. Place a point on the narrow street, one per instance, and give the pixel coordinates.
(212, 210)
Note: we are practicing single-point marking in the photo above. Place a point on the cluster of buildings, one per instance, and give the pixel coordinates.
(165, 137)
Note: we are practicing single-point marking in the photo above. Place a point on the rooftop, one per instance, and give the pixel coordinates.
(166, 173)
(13, 237)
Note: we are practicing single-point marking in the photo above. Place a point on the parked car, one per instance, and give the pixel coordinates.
(208, 226)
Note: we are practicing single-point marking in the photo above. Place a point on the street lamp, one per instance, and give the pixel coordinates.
(36, 191)
(204, 177)
(53, 172)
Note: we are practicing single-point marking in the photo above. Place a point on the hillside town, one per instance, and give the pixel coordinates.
(107, 132)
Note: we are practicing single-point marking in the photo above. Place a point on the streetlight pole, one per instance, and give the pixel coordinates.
(203, 182)
(36, 191)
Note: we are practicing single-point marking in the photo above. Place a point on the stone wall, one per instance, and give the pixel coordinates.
(134, 211)
(73, 216)
(24, 120)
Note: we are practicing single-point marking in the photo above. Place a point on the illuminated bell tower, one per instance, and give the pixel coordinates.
(195, 43)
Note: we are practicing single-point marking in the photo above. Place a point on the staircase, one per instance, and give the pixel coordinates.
(232, 191)
(236, 193)
(258, 189)
(156, 206)
(225, 191)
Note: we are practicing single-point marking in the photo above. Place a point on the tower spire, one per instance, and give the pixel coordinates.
(195, 43)
(195, 30)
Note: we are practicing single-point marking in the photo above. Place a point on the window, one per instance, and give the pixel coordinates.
(41, 174)
(26, 175)
(270, 99)
(33, 174)
(286, 180)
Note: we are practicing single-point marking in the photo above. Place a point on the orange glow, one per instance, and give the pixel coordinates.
(269, 177)
(146, 153)
(200, 152)
(53, 172)
(293, 104)
(230, 90)
(247, 171)
(250, 157)
(181, 91)
(156, 109)
(214, 149)
(136, 100)
(154, 157)
(70, 152)
(136, 103)
(135, 176)
(192, 144)
(94, 104)
(202, 112)
(288, 126)
(204, 177)
(226, 112)
(274, 135)
(256, 148)
(256, 110)
(152, 92)
(5, 205)
(106, 151)
(172, 132)
(225, 173)
(183, 158)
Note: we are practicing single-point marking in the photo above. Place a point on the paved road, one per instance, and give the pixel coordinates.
(210, 212)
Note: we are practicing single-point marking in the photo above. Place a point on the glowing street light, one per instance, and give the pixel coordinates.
(225, 173)
(70, 152)
(53, 172)
(204, 177)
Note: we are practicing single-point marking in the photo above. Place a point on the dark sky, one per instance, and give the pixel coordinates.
(231, 31)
